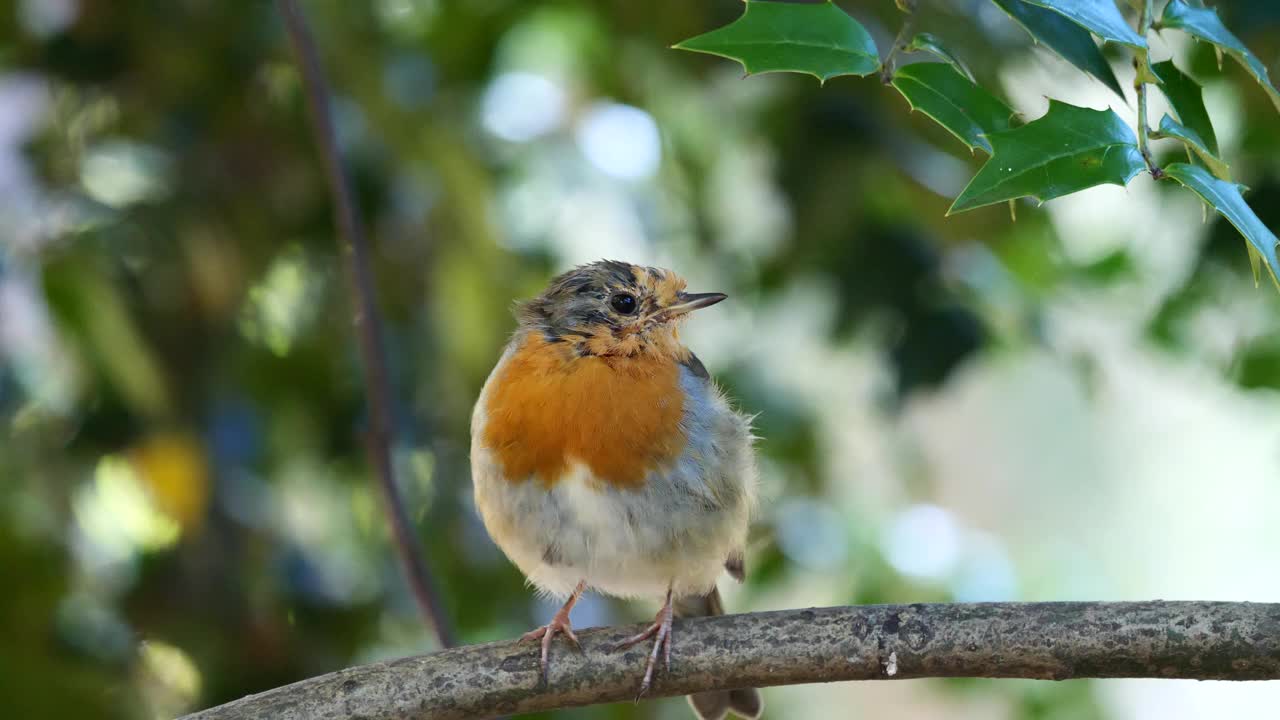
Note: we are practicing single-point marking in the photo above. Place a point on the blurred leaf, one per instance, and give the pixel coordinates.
(1111, 268)
(167, 678)
(96, 310)
(1258, 364)
(1225, 197)
(1064, 37)
(1192, 139)
(818, 39)
(36, 656)
(926, 42)
(1101, 17)
(1185, 96)
(954, 102)
(1205, 24)
(936, 342)
(1068, 149)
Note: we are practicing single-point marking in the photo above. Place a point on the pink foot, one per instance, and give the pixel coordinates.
(559, 624)
(660, 631)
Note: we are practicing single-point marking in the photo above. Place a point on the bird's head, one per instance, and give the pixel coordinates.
(614, 308)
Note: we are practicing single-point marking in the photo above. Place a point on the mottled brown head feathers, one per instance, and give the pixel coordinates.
(613, 308)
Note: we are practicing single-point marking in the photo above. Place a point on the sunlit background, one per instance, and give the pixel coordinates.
(1081, 404)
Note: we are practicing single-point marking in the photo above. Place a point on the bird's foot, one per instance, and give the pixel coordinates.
(660, 631)
(559, 624)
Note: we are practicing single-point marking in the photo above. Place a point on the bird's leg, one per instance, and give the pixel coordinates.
(660, 631)
(559, 624)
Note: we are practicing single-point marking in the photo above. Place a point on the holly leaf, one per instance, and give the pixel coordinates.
(1064, 37)
(817, 39)
(1068, 149)
(1171, 128)
(1225, 197)
(1204, 23)
(1101, 17)
(1187, 101)
(954, 102)
(927, 42)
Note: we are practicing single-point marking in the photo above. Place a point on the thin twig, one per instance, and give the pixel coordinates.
(355, 253)
(1046, 641)
(1140, 66)
(900, 41)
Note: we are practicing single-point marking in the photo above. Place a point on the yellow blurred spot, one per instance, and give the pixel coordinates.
(168, 679)
(174, 470)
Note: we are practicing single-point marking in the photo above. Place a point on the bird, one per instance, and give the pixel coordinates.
(605, 458)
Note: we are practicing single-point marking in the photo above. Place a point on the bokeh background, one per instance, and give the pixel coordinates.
(1079, 404)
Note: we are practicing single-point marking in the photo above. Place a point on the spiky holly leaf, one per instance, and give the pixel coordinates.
(954, 102)
(1187, 101)
(1068, 149)
(1064, 37)
(1225, 197)
(1172, 128)
(817, 39)
(927, 42)
(1205, 24)
(1101, 17)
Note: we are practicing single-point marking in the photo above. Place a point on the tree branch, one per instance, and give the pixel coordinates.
(1048, 641)
(355, 253)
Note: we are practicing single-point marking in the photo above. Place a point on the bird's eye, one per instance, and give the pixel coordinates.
(624, 303)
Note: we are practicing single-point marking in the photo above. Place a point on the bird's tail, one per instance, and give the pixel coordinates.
(715, 704)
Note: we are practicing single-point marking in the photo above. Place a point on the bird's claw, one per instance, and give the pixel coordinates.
(660, 631)
(559, 624)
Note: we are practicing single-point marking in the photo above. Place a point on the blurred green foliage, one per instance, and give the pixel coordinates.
(185, 510)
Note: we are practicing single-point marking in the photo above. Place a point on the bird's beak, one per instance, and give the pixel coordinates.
(693, 301)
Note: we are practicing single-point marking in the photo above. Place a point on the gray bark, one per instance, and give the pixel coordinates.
(1048, 641)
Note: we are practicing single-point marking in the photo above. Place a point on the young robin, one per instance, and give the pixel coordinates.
(604, 457)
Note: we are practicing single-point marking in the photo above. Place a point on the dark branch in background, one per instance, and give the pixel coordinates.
(1047, 641)
(355, 252)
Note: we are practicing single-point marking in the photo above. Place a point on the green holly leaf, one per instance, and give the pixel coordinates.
(1101, 17)
(1171, 128)
(1064, 37)
(954, 102)
(1068, 149)
(1225, 197)
(1204, 23)
(1187, 101)
(927, 42)
(817, 39)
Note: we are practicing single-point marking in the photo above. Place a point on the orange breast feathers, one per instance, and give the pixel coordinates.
(548, 408)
